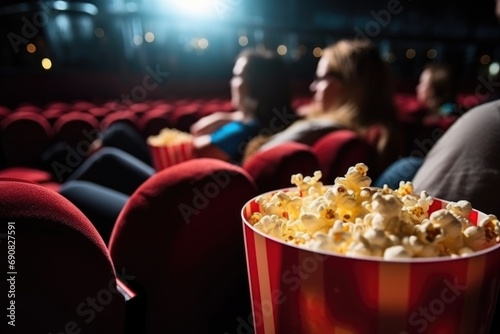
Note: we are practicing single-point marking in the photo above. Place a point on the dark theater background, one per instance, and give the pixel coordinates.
(163, 251)
(102, 49)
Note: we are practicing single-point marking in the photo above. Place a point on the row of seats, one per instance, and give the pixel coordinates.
(161, 272)
(163, 267)
(29, 130)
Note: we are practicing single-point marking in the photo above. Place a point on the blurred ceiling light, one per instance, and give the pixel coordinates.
(137, 40)
(193, 7)
(31, 48)
(203, 43)
(46, 63)
(317, 52)
(149, 37)
(99, 32)
(431, 53)
(494, 69)
(485, 59)
(243, 40)
(282, 50)
(410, 53)
(61, 5)
(88, 8)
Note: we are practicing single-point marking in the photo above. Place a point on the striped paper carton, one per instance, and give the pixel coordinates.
(295, 290)
(168, 155)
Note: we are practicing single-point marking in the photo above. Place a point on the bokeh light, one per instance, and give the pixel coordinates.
(31, 48)
(410, 53)
(282, 50)
(431, 53)
(485, 59)
(99, 32)
(317, 52)
(46, 63)
(243, 40)
(149, 37)
(137, 40)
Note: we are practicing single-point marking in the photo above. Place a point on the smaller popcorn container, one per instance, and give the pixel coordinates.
(170, 147)
(171, 154)
(297, 290)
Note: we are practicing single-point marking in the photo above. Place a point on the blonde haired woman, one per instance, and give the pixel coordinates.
(353, 90)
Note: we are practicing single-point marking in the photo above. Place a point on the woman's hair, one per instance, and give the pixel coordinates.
(367, 84)
(442, 85)
(266, 78)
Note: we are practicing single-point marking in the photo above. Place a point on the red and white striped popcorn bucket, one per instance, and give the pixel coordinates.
(295, 290)
(169, 155)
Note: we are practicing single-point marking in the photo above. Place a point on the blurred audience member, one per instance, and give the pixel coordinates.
(437, 91)
(353, 89)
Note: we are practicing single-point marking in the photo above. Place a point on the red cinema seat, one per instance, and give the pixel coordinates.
(125, 116)
(26, 136)
(4, 112)
(28, 108)
(52, 115)
(82, 105)
(341, 149)
(152, 123)
(65, 279)
(76, 127)
(272, 169)
(180, 234)
(58, 105)
(183, 117)
(99, 112)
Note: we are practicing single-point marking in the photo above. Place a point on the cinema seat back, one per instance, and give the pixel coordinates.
(272, 169)
(180, 235)
(64, 278)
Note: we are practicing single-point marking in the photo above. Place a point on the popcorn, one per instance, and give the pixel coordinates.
(169, 137)
(354, 219)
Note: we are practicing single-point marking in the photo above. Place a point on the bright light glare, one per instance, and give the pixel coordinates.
(243, 40)
(149, 37)
(137, 40)
(203, 43)
(46, 63)
(494, 68)
(194, 7)
(282, 50)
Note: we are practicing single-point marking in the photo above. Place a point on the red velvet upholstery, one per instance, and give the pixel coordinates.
(52, 115)
(26, 136)
(121, 116)
(99, 112)
(341, 149)
(62, 264)
(29, 174)
(181, 235)
(4, 112)
(83, 105)
(73, 126)
(272, 169)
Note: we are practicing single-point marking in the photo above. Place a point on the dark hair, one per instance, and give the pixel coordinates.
(442, 84)
(268, 87)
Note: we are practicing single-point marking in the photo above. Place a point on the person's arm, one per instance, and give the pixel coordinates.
(213, 122)
(205, 149)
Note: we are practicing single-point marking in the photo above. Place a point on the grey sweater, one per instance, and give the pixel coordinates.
(465, 161)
